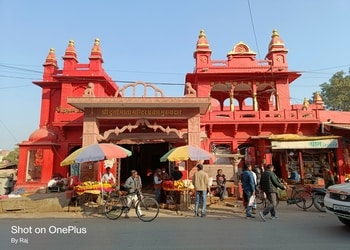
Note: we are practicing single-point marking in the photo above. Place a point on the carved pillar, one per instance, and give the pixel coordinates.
(235, 161)
(45, 107)
(232, 104)
(255, 102)
(90, 130)
(277, 100)
(194, 131)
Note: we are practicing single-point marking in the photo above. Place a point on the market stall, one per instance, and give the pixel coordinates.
(91, 192)
(190, 154)
(93, 188)
(178, 194)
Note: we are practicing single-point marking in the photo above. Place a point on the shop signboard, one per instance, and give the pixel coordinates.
(311, 144)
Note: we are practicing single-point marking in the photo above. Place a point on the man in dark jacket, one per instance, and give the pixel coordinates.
(269, 183)
(248, 185)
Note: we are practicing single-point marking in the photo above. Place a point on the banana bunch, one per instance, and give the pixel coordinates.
(179, 184)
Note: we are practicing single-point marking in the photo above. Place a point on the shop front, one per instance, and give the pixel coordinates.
(301, 158)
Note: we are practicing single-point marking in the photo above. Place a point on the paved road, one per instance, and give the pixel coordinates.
(294, 229)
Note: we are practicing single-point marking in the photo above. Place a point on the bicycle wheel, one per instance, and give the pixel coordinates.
(303, 199)
(147, 209)
(113, 208)
(319, 203)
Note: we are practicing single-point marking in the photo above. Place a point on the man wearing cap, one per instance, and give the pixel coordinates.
(132, 184)
(200, 182)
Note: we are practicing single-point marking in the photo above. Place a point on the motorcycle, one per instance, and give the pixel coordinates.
(318, 195)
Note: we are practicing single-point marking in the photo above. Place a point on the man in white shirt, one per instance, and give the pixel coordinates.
(108, 176)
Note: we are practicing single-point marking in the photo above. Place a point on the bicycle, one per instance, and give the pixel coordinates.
(146, 208)
(261, 198)
(301, 197)
(318, 195)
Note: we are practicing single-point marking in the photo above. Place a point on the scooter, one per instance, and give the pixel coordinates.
(318, 195)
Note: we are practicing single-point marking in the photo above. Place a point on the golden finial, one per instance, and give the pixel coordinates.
(317, 97)
(97, 41)
(275, 33)
(51, 58)
(202, 34)
(71, 43)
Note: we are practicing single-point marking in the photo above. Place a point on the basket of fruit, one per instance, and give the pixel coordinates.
(179, 184)
(167, 184)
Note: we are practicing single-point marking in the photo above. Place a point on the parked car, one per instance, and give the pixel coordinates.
(337, 202)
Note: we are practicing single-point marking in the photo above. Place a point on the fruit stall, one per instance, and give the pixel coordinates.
(93, 187)
(89, 192)
(178, 194)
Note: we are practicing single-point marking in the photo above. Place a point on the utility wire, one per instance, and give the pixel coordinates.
(253, 26)
(312, 71)
(24, 69)
(12, 135)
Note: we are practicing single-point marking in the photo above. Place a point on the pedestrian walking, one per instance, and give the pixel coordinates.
(269, 183)
(248, 185)
(200, 182)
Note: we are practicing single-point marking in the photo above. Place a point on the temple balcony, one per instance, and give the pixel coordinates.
(247, 66)
(262, 116)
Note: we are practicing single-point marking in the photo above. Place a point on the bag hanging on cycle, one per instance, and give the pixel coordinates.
(282, 194)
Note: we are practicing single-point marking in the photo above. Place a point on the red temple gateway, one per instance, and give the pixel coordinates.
(238, 108)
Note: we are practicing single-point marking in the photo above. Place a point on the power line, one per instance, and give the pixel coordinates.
(312, 71)
(12, 135)
(15, 66)
(144, 72)
(12, 67)
(253, 26)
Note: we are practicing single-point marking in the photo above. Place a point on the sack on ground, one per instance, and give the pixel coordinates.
(282, 194)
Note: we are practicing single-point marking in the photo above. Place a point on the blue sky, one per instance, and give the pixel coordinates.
(154, 40)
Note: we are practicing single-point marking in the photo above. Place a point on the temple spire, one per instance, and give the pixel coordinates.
(50, 66)
(277, 53)
(96, 50)
(202, 43)
(202, 54)
(51, 59)
(70, 50)
(96, 56)
(276, 43)
(70, 57)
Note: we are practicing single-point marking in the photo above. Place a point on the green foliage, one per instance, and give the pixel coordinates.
(336, 93)
(13, 156)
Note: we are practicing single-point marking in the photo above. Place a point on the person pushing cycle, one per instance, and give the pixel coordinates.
(132, 184)
(269, 183)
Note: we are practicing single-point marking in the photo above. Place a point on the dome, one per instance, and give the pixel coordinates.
(43, 134)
